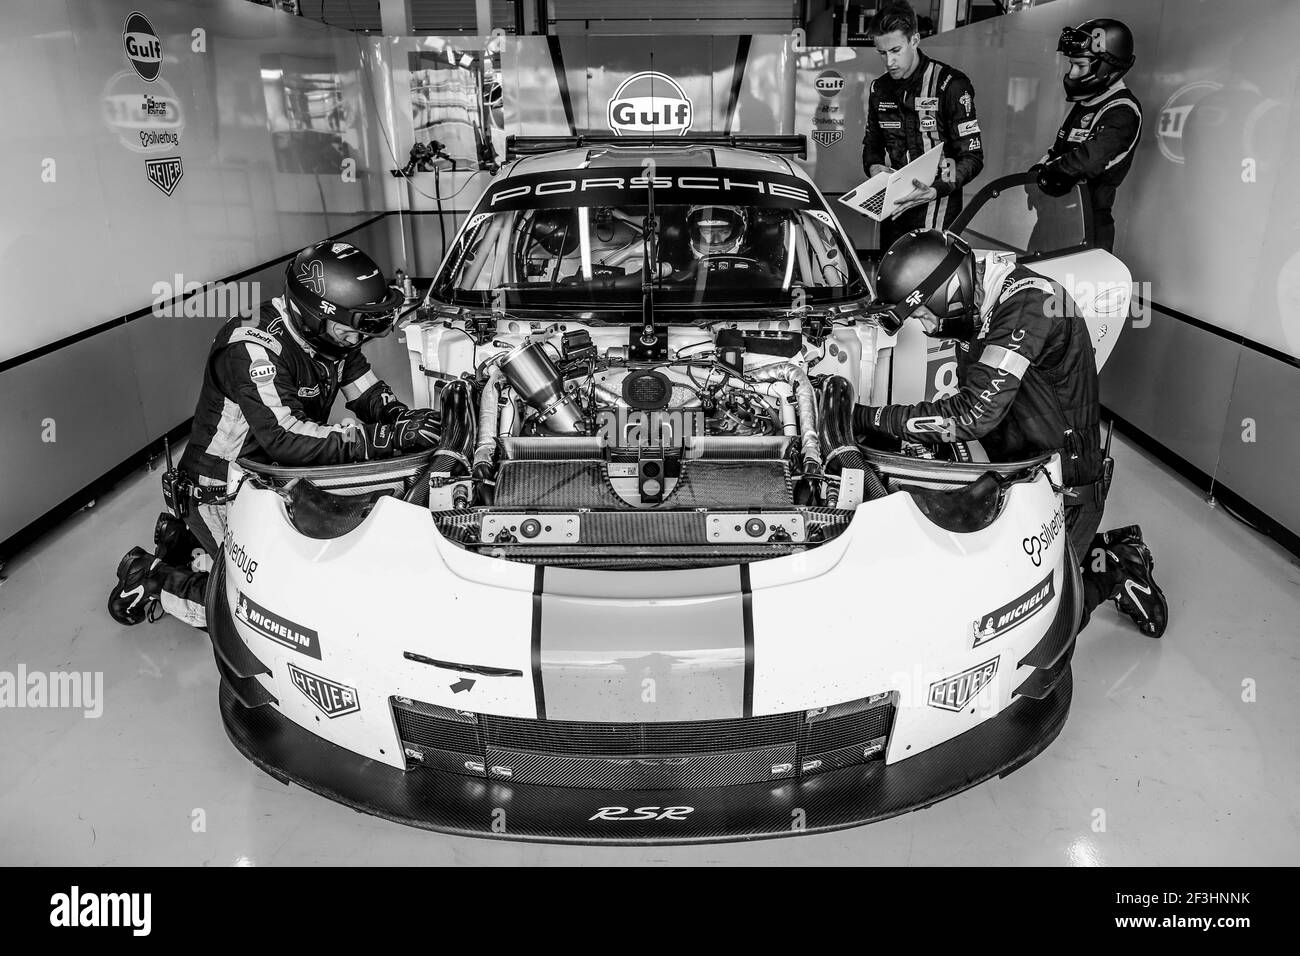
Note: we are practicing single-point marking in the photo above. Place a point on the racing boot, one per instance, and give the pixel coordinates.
(174, 542)
(135, 597)
(1137, 593)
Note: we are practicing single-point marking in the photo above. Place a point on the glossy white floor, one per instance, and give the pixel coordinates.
(1159, 741)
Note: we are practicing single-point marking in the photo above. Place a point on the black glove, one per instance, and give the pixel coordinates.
(415, 429)
(868, 430)
(372, 442)
(1052, 181)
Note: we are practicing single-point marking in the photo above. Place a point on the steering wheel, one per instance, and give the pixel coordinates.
(723, 262)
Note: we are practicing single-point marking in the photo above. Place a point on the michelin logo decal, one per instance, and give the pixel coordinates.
(1016, 611)
(273, 627)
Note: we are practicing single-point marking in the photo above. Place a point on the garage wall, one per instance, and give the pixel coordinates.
(89, 374)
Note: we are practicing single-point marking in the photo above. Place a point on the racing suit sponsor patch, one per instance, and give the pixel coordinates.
(927, 104)
(330, 697)
(929, 124)
(276, 628)
(312, 392)
(888, 124)
(1029, 282)
(248, 334)
(262, 371)
(1016, 611)
(954, 693)
(974, 143)
(967, 128)
(1078, 135)
(882, 106)
(967, 103)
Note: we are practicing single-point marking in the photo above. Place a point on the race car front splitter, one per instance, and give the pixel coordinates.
(451, 803)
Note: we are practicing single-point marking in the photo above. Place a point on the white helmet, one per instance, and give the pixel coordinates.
(716, 230)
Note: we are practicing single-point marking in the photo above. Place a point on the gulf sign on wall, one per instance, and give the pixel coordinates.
(638, 85)
(650, 103)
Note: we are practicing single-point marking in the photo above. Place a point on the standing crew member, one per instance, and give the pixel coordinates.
(268, 386)
(1099, 137)
(918, 104)
(1028, 386)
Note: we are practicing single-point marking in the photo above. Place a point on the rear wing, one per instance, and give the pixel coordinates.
(776, 143)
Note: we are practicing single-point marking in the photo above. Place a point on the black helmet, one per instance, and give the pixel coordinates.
(931, 268)
(337, 282)
(716, 230)
(1109, 44)
(556, 230)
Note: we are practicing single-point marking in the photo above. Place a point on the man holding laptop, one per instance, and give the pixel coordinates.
(917, 105)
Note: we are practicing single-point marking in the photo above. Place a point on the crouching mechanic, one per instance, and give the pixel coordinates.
(1027, 386)
(268, 386)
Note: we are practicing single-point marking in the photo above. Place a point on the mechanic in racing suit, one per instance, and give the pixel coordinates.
(916, 105)
(268, 386)
(1027, 386)
(1099, 137)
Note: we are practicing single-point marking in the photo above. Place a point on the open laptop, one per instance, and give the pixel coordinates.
(878, 197)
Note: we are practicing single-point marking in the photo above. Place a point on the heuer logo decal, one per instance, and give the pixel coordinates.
(641, 813)
(333, 699)
(647, 103)
(143, 48)
(1036, 544)
(1016, 611)
(164, 173)
(828, 83)
(827, 137)
(281, 630)
(954, 693)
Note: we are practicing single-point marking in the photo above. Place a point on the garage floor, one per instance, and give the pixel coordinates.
(1162, 762)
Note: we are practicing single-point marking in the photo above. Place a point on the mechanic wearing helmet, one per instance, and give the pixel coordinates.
(1027, 386)
(1100, 134)
(268, 386)
(918, 104)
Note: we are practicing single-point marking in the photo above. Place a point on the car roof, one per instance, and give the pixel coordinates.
(717, 157)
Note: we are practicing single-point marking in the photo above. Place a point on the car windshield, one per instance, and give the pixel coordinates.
(579, 239)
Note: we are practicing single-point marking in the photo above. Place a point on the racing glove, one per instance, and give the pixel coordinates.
(1051, 180)
(868, 429)
(415, 429)
(412, 431)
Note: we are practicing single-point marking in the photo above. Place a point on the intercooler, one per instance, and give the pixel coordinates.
(680, 755)
(540, 485)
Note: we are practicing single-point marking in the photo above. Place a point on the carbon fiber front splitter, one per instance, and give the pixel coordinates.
(469, 806)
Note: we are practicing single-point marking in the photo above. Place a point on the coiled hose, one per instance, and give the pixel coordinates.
(837, 438)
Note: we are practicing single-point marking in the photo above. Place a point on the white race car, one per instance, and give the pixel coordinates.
(648, 589)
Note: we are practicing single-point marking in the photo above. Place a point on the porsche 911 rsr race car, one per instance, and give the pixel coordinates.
(648, 588)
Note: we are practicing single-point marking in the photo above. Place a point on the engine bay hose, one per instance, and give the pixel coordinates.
(452, 454)
(837, 437)
(806, 403)
(488, 417)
